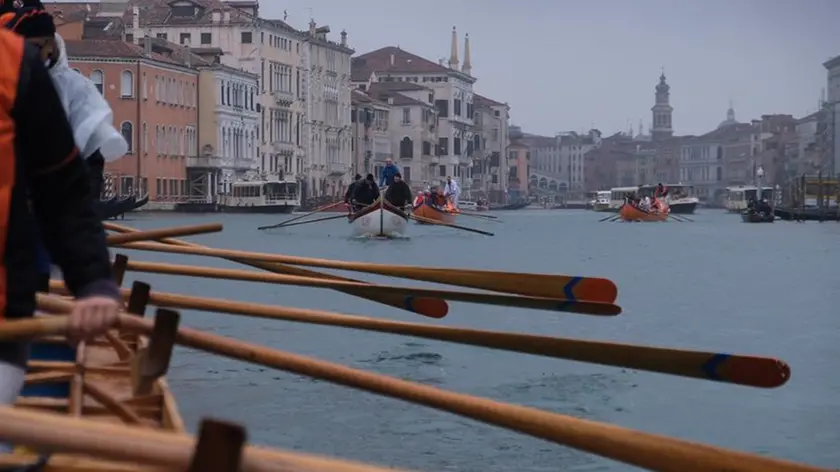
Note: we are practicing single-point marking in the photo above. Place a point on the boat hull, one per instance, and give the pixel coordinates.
(682, 208)
(630, 213)
(808, 214)
(379, 220)
(431, 213)
(748, 217)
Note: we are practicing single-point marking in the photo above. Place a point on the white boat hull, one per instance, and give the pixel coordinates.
(379, 222)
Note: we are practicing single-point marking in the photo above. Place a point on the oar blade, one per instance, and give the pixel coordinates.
(594, 289)
(429, 307)
(762, 372)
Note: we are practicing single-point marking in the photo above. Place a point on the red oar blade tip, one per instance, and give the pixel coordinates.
(590, 289)
(431, 307)
(762, 372)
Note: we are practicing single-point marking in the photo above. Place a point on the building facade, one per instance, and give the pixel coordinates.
(371, 138)
(490, 145)
(228, 130)
(831, 113)
(271, 49)
(519, 163)
(662, 111)
(155, 103)
(327, 134)
(452, 87)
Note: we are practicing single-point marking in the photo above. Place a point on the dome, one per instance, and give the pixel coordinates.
(730, 118)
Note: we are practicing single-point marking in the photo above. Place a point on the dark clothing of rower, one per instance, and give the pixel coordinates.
(398, 193)
(348, 195)
(365, 193)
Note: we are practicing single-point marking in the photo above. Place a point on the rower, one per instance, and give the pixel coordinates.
(365, 193)
(38, 155)
(398, 193)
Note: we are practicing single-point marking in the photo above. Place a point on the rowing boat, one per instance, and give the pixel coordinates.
(379, 219)
(114, 379)
(631, 213)
(429, 212)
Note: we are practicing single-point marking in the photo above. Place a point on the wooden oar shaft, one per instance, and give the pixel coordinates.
(286, 223)
(157, 234)
(61, 433)
(655, 452)
(584, 307)
(433, 308)
(11, 330)
(450, 225)
(316, 220)
(535, 285)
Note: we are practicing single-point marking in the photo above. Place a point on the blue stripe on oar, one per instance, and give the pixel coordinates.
(409, 303)
(711, 366)
(569, 289)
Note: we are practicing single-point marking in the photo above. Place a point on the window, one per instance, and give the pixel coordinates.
(406, 116)
(427, 148)
(442, 171)
(206, 38)
(98, 79)
(129, 38)
(145, 138)
(185, 39)
(126, 84)
(145, 84)
(456, 107)
(442, 108)
(406, 148)
(406, 172)
(247, 37)
(456, 146)
(127, 131)
(443, 147)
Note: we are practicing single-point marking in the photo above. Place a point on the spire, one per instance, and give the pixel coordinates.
(730, 113)
(453, 54)
(467, 67)
(641, 128)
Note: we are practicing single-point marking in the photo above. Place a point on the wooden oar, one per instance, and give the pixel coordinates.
(169, 450)
(316, 220)
(430, 307)
(475, 215)
(535, 303)
(319, 209)
(534, 285)
(655, 452)
(610, 217)
(751, 371)
(680, 218)
(32, 328)
(449, 225)
(157, 234)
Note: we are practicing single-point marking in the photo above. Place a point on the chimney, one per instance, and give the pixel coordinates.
(390, 100)
(467, 67)
(148, 46)
(135, 19)
(392, 60)
(227, 16)
(344, 38)
(312, 26)
(453, 53)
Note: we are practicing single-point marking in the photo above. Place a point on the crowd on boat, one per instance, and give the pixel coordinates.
(364, 192)
(757, 207)
(649, 203)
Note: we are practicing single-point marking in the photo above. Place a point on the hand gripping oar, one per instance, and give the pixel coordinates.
(431, 307)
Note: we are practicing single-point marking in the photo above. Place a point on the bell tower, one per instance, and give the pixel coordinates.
(662, 111)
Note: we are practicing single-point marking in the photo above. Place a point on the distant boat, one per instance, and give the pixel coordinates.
(117, 206)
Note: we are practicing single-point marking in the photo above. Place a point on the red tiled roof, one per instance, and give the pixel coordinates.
(404, 62)
(483, 101)
(359, 98)
(114, 49)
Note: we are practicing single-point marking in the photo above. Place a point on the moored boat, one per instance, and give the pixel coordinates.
(429, 212)
(601, 202)
(379, 219)
(748, 216)
(270, 197)
(631, 213)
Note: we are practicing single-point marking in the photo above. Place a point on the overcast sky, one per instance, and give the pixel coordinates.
(568, 65)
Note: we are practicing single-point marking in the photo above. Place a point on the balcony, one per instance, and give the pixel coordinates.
(280, 147)
(337, 168)
(207, 162)
(283, 98)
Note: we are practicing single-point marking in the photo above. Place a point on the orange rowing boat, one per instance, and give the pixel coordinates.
(431, 213)
(631, 213)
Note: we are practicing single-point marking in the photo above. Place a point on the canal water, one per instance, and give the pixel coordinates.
(712, 284)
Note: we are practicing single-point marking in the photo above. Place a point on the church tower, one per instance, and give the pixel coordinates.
(662, 111)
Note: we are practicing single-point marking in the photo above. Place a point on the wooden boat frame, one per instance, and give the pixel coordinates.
(117, 378)
(429, 212)
(379, 204)
(631, 213)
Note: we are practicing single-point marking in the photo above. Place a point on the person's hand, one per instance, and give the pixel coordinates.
(92, 316)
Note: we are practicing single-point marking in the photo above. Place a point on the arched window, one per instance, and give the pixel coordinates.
(127, 130)
(406, 148)
(98, 79)
(222, 92)
(126, 84)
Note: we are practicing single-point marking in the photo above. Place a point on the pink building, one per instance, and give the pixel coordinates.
(153, 92)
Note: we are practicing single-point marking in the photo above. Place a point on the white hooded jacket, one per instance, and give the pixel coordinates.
(452, 188)
(89, 114)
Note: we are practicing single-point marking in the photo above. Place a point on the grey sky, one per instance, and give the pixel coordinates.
(566, 65)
